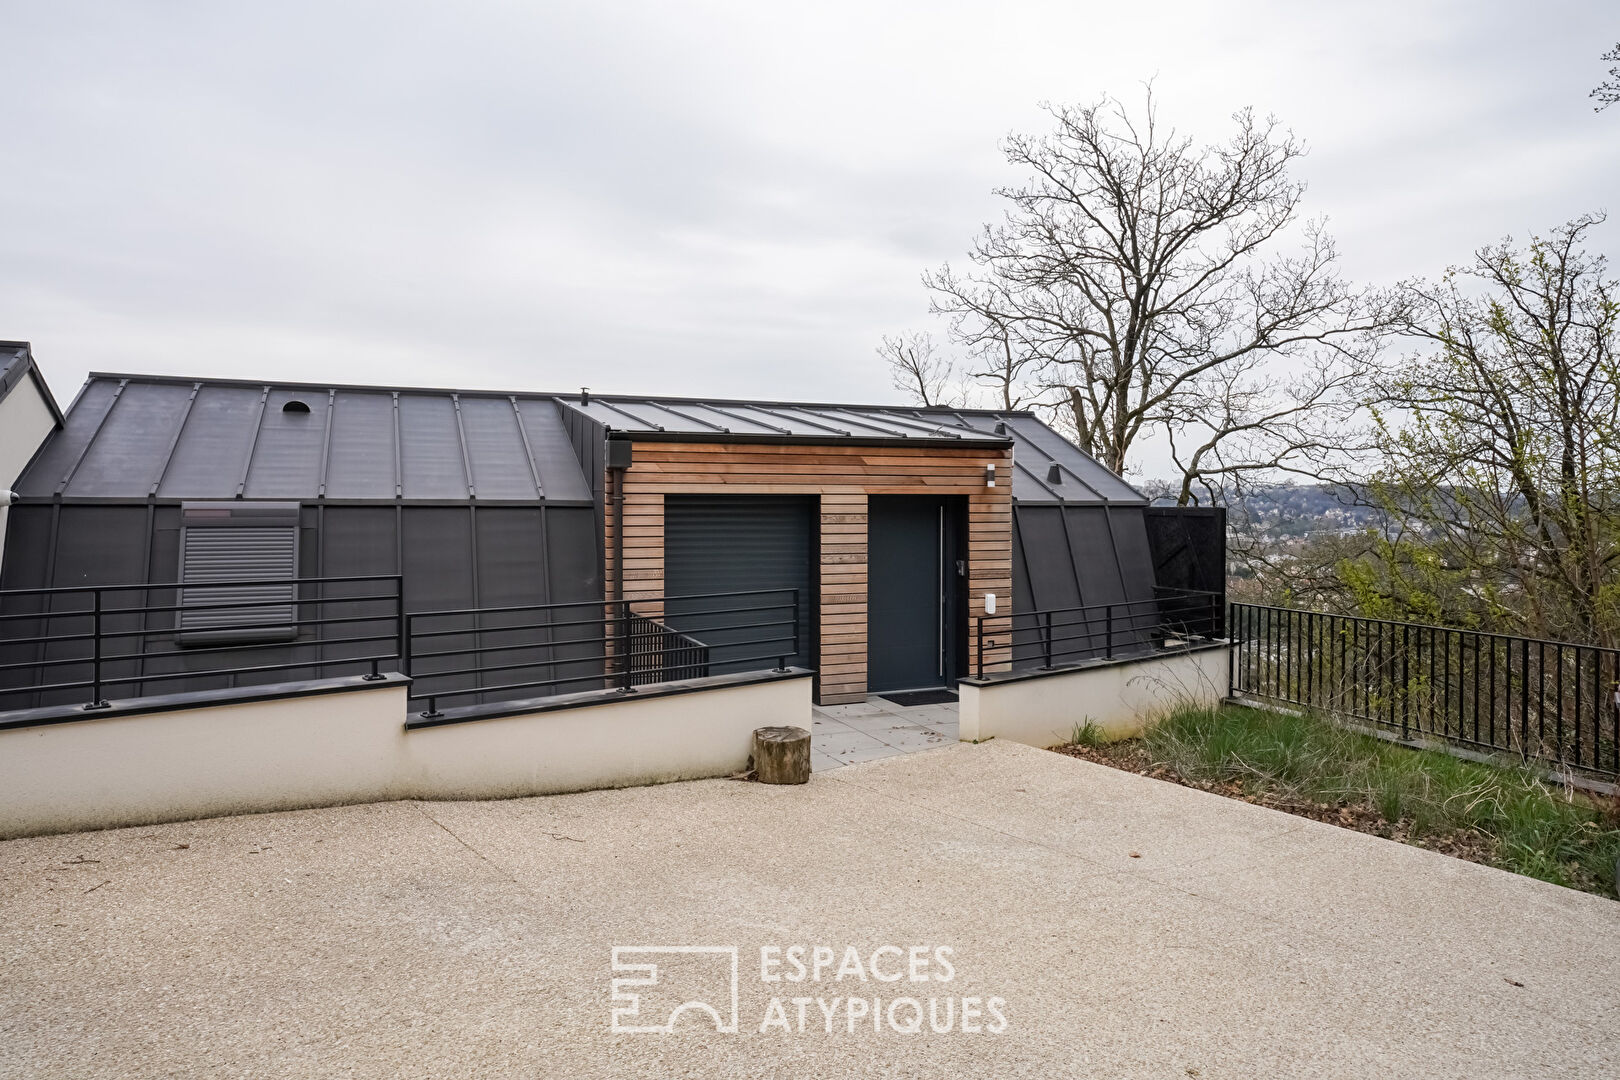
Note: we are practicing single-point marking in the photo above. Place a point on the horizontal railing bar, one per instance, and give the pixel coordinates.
(202, 650)
(290, 665)
(603, 603)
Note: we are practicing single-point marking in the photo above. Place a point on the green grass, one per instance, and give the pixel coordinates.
(1532, 827)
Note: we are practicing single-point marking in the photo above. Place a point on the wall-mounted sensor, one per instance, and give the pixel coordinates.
(989, 603)
(989, 476)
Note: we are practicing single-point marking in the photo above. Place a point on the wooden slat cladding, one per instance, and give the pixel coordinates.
(844, 477)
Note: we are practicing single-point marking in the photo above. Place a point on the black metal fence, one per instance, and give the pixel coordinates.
(1547, 700)
(84, 645)
(1054, 637)
(87, 646)
(492, 654)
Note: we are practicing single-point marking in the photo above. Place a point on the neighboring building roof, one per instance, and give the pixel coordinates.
(16, 364)
(134, 436)
(1036, 447)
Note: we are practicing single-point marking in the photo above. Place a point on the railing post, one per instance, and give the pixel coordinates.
(96, 700)
(403, 622)
(1046, 644)
(1108, 632)
(979, 670)
(781, 661)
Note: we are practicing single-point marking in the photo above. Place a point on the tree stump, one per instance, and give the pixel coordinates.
(782, 755)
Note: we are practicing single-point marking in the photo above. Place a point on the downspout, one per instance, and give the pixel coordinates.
(616, 481)
(617, 455)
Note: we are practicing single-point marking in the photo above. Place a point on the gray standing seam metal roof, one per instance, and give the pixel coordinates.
(1036, 447)
(131, 436)
(134, 437)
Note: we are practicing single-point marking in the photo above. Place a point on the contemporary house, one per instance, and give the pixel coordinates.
(885, 549)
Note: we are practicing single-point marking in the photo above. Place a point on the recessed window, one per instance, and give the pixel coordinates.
(241, 553)
(295, 406)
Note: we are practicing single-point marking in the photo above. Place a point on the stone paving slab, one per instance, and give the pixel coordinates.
(476, 939)
(875, 729)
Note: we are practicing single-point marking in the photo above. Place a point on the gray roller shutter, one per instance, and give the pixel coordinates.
(235, 544)
(734, 543)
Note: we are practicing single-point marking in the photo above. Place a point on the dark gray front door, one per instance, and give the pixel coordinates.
(735, 543)
(911, 586)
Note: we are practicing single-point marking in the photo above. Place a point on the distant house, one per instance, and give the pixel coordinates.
(886, 529)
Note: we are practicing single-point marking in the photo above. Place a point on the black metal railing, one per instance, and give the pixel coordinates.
(659, 653)
(495, 653)
(1547, 700)
(84, 645)
(1048, 638)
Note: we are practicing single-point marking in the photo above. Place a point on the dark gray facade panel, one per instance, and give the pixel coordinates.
(438, 558)
(359, 540)
(1189, 546)
(1133, 550)
(211, 454)
(28, 547)
(1080, 557)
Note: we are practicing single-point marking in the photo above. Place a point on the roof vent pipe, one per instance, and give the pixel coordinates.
(1001, 429)
(584, 395)
(1054, 475)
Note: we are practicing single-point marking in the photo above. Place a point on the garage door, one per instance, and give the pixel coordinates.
(741, 543)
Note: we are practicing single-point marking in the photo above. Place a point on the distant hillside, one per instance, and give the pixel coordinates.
(1298, 510)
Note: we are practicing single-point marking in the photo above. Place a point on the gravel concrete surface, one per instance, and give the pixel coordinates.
(1130, 927)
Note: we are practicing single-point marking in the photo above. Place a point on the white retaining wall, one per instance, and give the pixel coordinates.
(352, 746)
(1121, 697)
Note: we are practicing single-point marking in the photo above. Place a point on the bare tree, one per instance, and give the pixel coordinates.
(1501, 446)
(1130, 281)
(917, 370)
(1608, 91)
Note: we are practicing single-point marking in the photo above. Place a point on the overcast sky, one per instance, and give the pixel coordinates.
(691, 198)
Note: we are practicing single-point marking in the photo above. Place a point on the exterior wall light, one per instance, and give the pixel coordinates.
(989, 476)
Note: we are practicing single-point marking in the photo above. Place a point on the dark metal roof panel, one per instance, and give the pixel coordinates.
(561, 476)
(211, 452)
(500, 465)
(362, 463)
(287, 457)
(133, 443)
(430, 448)
(64, 449)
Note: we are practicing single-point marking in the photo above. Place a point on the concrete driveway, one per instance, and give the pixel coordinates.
(1129, 928)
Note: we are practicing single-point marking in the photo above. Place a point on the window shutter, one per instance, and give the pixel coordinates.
(235, 544)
